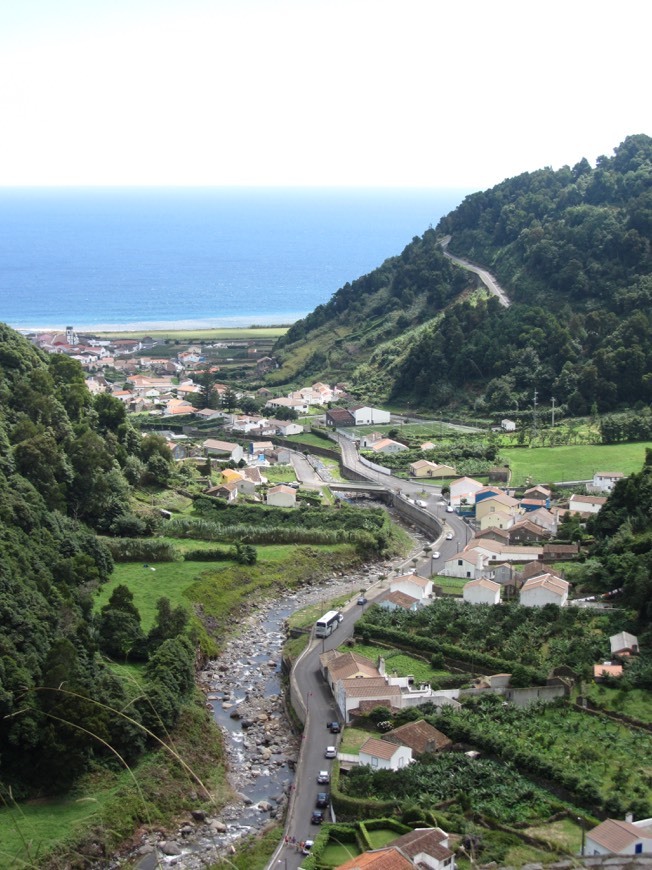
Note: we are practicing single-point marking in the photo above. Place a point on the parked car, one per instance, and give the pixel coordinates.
(317, 817)
(323, 799)
(330, 752)
(307, 846)
(450, 509)
(436, 554)
(362, 600)
(334, 727)
(323, 777)
(449, 536)
(421, 503)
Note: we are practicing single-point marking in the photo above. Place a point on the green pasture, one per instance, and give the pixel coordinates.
(577, 462)
(221, 587)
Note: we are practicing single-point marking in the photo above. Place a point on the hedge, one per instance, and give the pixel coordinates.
(420, 643)
(355, 808)
(141, 550)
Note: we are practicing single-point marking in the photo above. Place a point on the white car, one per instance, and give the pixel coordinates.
(450, 509)
(436, 554)
(449, 536)
(331, 752)
(421, 503)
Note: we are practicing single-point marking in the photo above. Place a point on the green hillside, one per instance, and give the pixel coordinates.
(572, 249)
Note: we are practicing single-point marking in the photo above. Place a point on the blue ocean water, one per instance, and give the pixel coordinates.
(143, 257)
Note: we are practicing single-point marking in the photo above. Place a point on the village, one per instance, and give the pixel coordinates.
(501, 547)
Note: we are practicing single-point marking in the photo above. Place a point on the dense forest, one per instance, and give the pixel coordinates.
(65, 460)
(572, 249)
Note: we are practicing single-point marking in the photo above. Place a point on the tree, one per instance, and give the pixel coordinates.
(119, 629)
(169, 623)
(110, 412)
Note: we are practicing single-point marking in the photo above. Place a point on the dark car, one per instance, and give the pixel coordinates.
(362, 600)
(317, 817)
(323, 799)
(334, 727)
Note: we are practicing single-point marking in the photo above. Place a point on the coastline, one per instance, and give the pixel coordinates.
(241, 322)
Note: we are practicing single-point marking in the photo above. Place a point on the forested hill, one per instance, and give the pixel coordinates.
(572, 248)
(64, 457)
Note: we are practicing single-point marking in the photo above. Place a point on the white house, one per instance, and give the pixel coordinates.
(482, 591)
(387, 445)
(497, 520)
(615, 837)
(282, 496)
(397, 601)
(604, 481)
(223, 449)
(508, 425)
(544, 589)
(382, 755)
(366, 416)
(425, 847)
(286, 427)
(299, 405)
(586, 504)
(413, 585)
(469, 563)
(623, 644)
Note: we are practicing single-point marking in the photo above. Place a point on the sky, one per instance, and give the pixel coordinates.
(353, 93)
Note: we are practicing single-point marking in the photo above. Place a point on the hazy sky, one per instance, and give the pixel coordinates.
(316, 92)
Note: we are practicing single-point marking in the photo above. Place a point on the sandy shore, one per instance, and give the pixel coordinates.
(169, 325)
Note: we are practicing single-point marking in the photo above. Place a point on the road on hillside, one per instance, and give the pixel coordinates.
(486, 277)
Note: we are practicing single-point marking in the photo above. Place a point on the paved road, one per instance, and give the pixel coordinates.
(486, 277)
(307, 674)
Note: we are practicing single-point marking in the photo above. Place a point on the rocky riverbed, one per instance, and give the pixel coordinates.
(243, 687)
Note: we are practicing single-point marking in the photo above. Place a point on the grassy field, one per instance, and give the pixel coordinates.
(578, 462)
(635, 703)
(311, 440)
(353, 738)
(401, 662)
(221, 587)
(223, 334)
(450, 585)
(336, 853)
(28, 830)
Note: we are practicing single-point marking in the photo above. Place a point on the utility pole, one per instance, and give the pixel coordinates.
(553, 411)
(534, 415)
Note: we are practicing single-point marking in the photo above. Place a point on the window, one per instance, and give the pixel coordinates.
(638, 848)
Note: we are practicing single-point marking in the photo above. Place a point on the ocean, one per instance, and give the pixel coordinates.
(142, 258)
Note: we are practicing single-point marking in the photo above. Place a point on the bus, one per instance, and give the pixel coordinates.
(328, 623)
